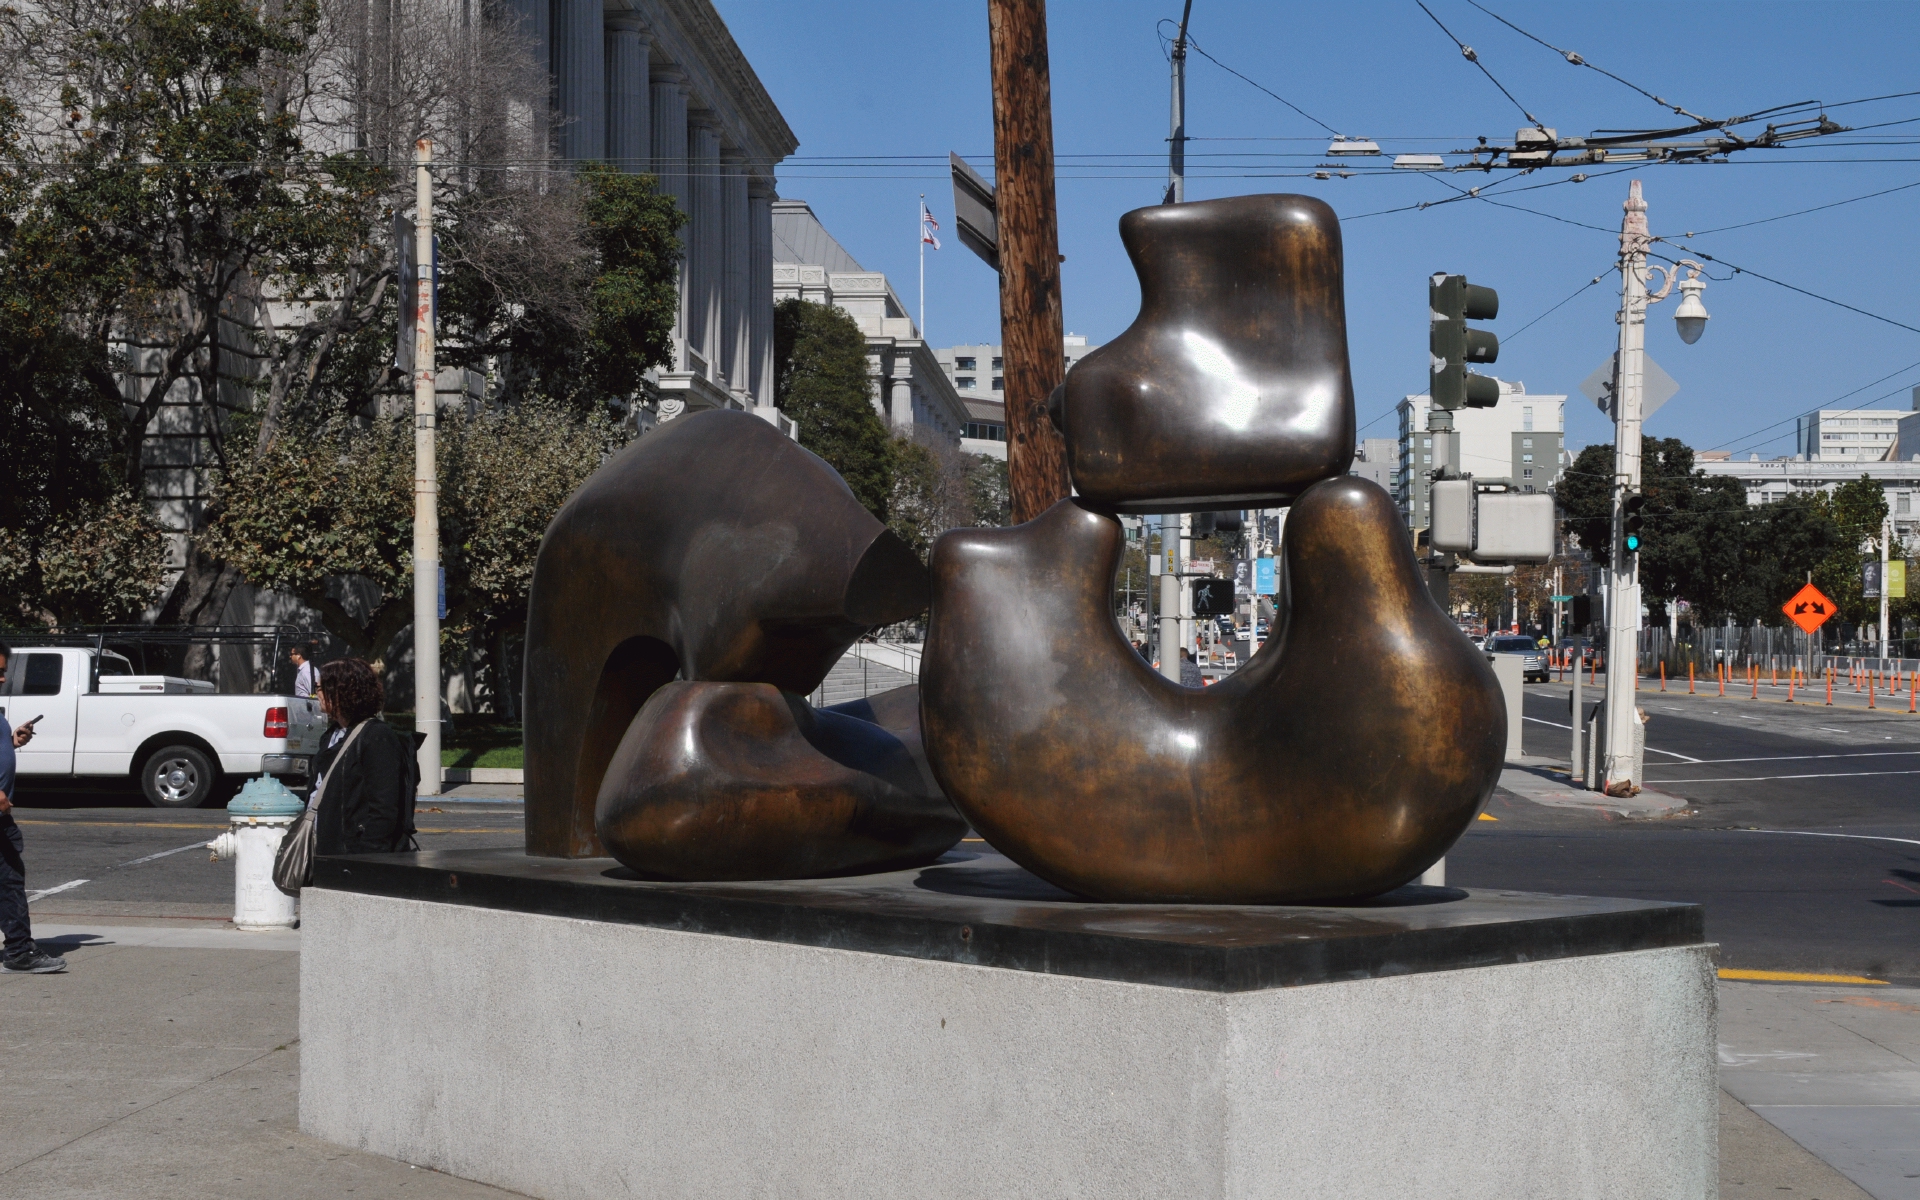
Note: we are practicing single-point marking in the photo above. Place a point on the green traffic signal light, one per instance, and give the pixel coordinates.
(1634, 521)
(1453, 302)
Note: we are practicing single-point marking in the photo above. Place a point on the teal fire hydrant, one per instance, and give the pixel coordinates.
(261, 815)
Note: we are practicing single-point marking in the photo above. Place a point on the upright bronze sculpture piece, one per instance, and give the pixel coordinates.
(713, 549)
(1341, 761)
(1352, 750)
(1231, 388)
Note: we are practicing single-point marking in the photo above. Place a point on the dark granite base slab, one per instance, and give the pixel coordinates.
(983, 910)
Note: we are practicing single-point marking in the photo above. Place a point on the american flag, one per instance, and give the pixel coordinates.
(928, 227)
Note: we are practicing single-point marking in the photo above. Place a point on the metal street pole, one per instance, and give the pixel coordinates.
(426, 484)
(1623, 596)
(1886, 537)
(1031, 332)
(1170, 585)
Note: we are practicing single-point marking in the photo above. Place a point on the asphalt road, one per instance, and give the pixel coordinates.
(1801, 835)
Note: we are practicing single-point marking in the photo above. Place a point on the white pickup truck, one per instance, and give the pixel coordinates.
(175, 737)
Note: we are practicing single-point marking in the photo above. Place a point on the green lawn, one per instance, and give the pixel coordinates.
(472, 740)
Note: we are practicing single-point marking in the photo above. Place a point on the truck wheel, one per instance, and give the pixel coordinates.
(178, 777)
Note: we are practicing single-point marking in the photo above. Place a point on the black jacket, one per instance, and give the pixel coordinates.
(368, 805)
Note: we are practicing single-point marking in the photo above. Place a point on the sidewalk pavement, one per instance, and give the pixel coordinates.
(1547, 781)
(165, 1064)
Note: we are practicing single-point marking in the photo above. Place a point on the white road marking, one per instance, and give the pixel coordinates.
(1539, 721)
(71, 883)
(1811, 757)
(1859, 837)
(1770, 778)
(176, 850)
(1650, 749)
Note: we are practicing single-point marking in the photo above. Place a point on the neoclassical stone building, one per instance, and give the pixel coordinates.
(660, 86)
(910, 391)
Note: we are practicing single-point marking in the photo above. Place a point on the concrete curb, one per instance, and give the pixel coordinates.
(1546, 782)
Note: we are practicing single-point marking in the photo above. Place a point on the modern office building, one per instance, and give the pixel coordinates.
(1521, 439)
(910, 389)
(1378, 459)
(975, 372)
(1848, 435)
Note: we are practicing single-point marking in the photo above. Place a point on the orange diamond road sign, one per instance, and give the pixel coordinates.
(1809, 608)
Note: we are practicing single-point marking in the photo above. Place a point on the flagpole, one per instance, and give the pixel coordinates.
(920, 233)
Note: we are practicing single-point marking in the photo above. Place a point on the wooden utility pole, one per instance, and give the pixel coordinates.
(1029, 243)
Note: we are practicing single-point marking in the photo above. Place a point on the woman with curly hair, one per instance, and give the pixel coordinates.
(367, 770)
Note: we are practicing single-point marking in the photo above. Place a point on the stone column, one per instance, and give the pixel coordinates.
(736, 236)
(704, 265)
(579, 79)
(668, 147)
(760, 290)
(629, 131)
(901, 417)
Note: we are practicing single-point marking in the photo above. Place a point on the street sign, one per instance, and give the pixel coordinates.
(1656, 387)
(1809, 608)
(1264, 581)
(976, 217)
(1559, 599)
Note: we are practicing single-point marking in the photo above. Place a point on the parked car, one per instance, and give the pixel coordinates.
(1534, 662)
(175, 737)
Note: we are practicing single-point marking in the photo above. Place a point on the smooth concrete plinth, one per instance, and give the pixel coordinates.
(967, 1031)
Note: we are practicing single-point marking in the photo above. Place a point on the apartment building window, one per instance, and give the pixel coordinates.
(964, 364)
(1526, 418)
(997, 364)
(1526, 443)
(1426, 458)
(1527, 474)
(1426, 443)
(999, 383)
(965, 383)
(986, 431)
(1525, 458)
(1902, 503)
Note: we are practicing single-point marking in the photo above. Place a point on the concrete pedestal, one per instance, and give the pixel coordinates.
(967, 1031)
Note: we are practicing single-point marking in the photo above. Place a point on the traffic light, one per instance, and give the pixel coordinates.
(1453, 302)
(1212, 597)
(1634, 520)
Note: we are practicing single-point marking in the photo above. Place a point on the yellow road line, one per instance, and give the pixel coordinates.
(128, 824)
(1488, 817)
(1798, 977)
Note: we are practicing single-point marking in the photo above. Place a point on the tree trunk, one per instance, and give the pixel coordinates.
(199, 597)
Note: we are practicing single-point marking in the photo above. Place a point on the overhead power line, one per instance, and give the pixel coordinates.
(1738, 270)
(1468, 53)
(1804, 211)
(1579, 61)
(1195, 47)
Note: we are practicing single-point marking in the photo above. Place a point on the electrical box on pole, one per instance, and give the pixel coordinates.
(1452, 302)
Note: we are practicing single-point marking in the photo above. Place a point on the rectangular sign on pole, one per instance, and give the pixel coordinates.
(1265, 581)
(1897, 578)
(1870, 580)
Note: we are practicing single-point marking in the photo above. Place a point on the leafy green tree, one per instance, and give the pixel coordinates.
(990, 492)
(820, 380)
(1856, 509)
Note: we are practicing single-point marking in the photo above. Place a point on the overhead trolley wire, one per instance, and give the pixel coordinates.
(1579, 61)
(1195, 47)
(1804, 211)
(1468, 53)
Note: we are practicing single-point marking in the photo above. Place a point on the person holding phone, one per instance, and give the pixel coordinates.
(367, 767)
(20, 955)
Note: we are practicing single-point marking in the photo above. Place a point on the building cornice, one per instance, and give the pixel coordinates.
(690, 35)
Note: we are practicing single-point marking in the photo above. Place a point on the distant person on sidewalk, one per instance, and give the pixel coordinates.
(1190, 670)
(367, 766)
(303, 673)
(20, 955)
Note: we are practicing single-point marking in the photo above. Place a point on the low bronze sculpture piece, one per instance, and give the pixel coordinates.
(713, 549)
(744, 781)
(1341, 761)
(1231, 388)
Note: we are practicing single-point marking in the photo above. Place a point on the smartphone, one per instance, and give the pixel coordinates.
(26, 724)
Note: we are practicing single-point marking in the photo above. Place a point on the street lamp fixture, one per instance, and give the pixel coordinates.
(1690, 319)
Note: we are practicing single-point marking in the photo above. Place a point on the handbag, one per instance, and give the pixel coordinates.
(293, 861)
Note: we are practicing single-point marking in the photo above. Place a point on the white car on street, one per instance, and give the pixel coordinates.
(93, 717)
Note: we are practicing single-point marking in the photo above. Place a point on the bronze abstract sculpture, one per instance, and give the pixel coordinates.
(1231, 388)
(702, 582)
(744, 781)
(713, 549)
(1341, 761)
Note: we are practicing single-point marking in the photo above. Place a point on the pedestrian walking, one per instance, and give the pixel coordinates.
(20, 955)
(1190, 670)
(303, 673)
(367, 766)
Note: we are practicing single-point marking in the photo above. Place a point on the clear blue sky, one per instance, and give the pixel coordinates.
(878, 79)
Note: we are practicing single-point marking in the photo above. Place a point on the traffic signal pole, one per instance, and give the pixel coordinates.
(426, 485)
(1623, 570)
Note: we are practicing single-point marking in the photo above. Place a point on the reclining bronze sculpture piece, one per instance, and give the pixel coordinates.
(701, 584)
